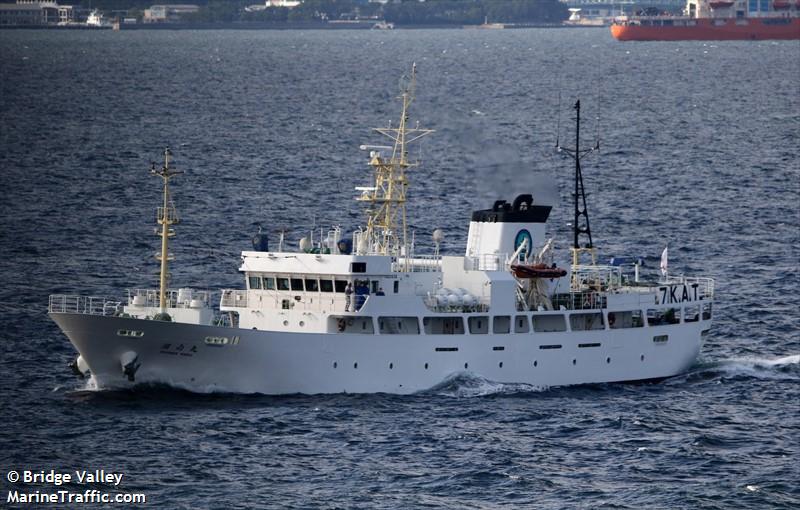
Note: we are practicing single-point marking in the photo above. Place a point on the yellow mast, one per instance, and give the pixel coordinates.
(166, 216)
(387, 199)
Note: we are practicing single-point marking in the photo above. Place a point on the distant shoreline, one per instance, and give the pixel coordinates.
(305, 25)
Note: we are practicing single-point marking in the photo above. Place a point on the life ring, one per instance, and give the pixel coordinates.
(341, 325)
(611, 318)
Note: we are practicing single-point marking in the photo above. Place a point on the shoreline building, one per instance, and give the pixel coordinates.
(168, 13)
(36, 12)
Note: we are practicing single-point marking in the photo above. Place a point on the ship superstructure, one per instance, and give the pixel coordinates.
(715, 20)
(365, 313)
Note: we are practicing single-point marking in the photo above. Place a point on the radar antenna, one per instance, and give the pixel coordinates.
(386, 209)
(166, 216)
(580, 222)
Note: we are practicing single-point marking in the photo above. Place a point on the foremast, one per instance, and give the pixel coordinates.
(580, 220)
(166, 216)
(387, 232)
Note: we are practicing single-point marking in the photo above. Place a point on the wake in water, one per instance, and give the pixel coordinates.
(780, 369)
(468, 384)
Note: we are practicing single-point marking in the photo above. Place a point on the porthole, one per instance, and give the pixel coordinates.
(355, 365)
(391, 366)
(574, 361)
(335, 364)
(500, 364)
(426, 366)
(641, 357)
(302, 324)
(608, 360)
(466, 366)
(535, 363)
(285, 323)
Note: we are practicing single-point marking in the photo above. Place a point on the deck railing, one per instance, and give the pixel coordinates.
(87, 305)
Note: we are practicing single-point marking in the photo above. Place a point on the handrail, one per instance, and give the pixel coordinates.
(85, 305)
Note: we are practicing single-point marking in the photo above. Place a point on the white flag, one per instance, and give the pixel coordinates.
(664, 261)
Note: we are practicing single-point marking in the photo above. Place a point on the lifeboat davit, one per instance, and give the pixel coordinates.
(537, 271)
(720, 4)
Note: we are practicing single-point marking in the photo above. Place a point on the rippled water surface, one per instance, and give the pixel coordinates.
(699, 149)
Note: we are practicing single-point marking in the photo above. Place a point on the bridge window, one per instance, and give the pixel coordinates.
(502, 324)
(326, 285)
(586, 321)
(311, 285)
(549, 323)
(692, 314)
(358, 267)
(269, 283)
(340, 285)
(625, 319)
(283, 284)
(443, 325)
(297, 284)
(478, 325)
(255, 282)
(398, 325)
(661, 317)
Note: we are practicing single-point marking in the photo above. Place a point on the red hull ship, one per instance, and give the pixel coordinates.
(715, 20)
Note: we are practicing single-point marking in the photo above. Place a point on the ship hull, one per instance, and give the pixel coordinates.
(712, 30)
(190, 357)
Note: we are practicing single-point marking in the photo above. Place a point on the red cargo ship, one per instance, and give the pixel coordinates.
(715, 20)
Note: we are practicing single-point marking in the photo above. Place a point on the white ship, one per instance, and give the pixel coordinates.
(368, 314)
(97, 20)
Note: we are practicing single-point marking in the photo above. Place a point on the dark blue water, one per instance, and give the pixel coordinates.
(699, 149)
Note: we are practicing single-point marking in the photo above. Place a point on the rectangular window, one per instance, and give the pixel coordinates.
(586, 321)
(692, 314)
(447, 349)
(625, 319)
(752, 5)
(269, 283)
(502, 324)
(593, 344)
(255, 282)
(283, 284)
(358, 267)
(549, 323)
(706, 311)
(398, 325)
(326, 285)
(660, 339)
(375, 286)
(478, 325)
(443, 325)
(297, 284)
(521, 324)
(340, 285)
(662, 317)
(546, 347)
(396, 286)
(764, 5)
(311, 285)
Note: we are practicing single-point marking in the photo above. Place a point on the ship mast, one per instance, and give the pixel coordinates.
(386, 211)
(166, 216)
(580, 221)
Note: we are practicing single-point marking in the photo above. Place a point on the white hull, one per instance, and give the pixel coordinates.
(267, 362)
